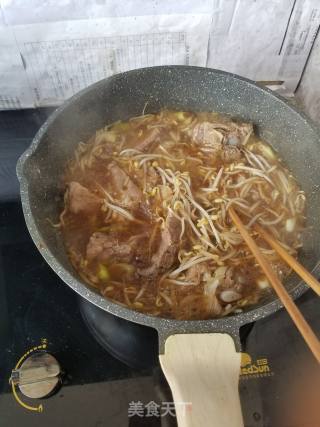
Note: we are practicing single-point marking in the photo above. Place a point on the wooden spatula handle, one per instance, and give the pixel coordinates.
(203, 374)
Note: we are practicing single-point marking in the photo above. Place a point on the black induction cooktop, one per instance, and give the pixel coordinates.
(111, 376)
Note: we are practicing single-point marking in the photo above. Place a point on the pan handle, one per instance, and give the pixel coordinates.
(203, 373)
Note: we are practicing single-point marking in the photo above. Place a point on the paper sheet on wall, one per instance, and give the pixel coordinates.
(22, 12)
(261, 40)
(63, 57)
(49, 50)
(14, 88)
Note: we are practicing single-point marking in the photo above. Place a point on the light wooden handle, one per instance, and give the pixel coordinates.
(203, 374)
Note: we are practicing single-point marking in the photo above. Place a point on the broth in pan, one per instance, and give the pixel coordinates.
(145, 217)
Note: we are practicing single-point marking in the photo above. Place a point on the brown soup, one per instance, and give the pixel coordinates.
(145, 217)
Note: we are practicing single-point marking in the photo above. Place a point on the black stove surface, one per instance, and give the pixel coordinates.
(99, 388)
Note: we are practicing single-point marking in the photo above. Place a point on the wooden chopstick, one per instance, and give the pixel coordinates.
(292, 262)
(300, 322)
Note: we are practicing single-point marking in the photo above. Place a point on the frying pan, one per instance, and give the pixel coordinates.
(200, 359)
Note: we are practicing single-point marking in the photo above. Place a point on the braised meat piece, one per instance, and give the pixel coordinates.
(82, 201)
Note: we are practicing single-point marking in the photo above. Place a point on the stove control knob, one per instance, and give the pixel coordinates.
(38, 376)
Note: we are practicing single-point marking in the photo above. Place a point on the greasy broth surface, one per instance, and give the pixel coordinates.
(145, 217)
